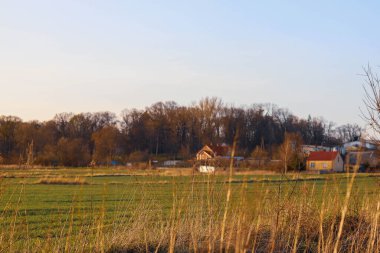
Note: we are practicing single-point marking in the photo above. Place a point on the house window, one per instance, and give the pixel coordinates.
(324, 165)
(312, 165)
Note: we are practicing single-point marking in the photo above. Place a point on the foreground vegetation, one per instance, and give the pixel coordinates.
(119, 210)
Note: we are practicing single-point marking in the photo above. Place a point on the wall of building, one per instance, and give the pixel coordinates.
(202, 155)
(319, 165)
(337, 165)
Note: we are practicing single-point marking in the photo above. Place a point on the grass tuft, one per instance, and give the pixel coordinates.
(62, 180)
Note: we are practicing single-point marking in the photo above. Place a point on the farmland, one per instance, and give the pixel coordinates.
(115, 209)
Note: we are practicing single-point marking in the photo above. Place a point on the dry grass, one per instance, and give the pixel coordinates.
(295, 224)
(202, 219)
(62, 180)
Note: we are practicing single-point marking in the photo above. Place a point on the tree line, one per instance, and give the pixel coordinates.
(162, 129)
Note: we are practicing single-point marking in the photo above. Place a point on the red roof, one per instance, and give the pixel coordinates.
(322, 156)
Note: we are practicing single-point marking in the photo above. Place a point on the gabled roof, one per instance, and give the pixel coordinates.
(218, 150)
(322, 156)
(209, 153)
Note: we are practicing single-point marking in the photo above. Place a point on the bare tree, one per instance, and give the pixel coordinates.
(290, 151)
(260, 155)
(30, 155)
(107, 142)
(371, 113)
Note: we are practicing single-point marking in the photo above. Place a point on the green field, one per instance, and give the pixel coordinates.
(107, 202)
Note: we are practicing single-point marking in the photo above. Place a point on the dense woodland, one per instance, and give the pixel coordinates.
(160, 130)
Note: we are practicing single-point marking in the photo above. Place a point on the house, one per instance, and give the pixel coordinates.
(361, 160)
(325, 161)
(361, 145)
(211, 152)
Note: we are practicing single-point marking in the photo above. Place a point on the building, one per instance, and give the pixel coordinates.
(211, 152)
(172, 163)
(361, 160)
(307, 149)
(363, 145)
(325, 161)
(206, 169)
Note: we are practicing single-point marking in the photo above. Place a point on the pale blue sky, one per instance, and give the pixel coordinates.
(84, 55)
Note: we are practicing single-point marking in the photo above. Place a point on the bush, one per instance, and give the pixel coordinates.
(138, 156)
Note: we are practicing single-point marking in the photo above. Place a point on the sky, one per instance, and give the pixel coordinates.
(88, 56)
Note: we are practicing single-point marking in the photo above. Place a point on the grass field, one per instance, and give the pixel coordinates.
(111, 209)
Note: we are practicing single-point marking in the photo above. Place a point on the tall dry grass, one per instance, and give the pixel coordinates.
(211, 216)
(297, 224)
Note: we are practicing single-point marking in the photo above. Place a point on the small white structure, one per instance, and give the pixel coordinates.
(172, 163)
(206, 169)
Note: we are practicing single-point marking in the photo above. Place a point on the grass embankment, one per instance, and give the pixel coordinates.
(153, 211)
